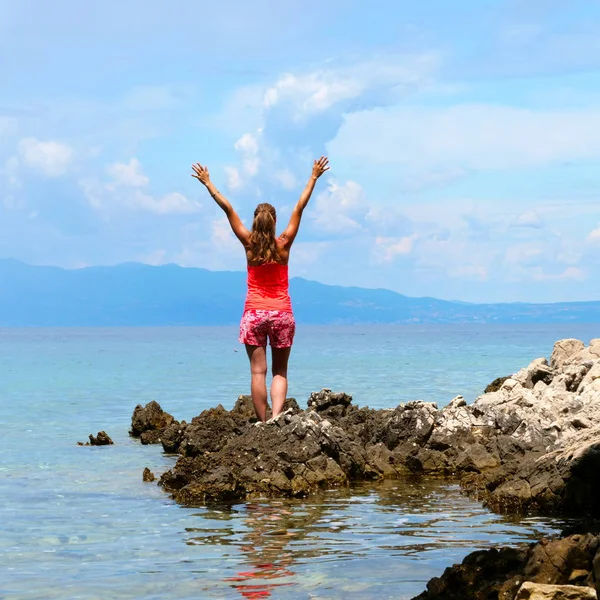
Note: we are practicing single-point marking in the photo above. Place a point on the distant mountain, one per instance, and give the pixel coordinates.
(136, 294)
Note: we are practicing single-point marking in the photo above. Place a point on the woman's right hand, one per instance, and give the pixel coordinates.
(201, 173)
(320, 166)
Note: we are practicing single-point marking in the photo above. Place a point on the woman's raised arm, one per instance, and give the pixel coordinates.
(238, 228)
(319, 167)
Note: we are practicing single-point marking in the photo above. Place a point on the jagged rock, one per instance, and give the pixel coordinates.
(540, 591)
(208, 432)
(102, 439)
(500, 573)
(453, 427)
(330, 404)
(411, 422)
(152, 436)
(172, 436)
(148, 475)
(150, 420)
(563, 351)
(564, 481)
(243, 411)
(537, 371)
(481, 575)
(293, 455)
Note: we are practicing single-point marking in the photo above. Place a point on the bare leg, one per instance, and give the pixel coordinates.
(279, 385)
(258, 386)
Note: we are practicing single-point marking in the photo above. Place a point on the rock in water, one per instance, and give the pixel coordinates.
(148, 475)
(102, 439)
(500, 573)
(149, 422)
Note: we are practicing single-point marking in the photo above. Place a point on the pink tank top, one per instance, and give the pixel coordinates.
(268, 288)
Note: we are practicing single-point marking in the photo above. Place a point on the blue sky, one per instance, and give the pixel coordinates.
(464, 138)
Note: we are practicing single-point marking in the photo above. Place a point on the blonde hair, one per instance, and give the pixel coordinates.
(263, 245)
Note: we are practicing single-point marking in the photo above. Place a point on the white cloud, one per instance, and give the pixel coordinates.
(388, 248)
(154, 258)
(307, 254)
(93, 191)
(569, 274)
(173, 203)
(247, 146)
(315, 92)
(8, 125)
(128, 174)
(285, 178)
(123, 193)
(341, 209)
(11, 169)
(210, 245)
(468, 136)
(222, 237)
(523, 254)
(51, 158)
(594, 236)
(468, 272)
(529, 218)
(233, 178)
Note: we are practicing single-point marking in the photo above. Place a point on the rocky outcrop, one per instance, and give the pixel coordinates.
(532, 444)
(547, 567)
(551, 411)
(149, 422)
(293, 456)
(102, 439)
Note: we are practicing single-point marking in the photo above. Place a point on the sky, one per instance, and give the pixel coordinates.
(464, 138)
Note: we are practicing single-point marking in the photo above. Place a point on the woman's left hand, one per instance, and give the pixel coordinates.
(201, 173)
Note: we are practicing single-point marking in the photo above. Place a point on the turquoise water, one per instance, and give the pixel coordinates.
(79, 523)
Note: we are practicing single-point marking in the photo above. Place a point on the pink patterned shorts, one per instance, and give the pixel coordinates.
(278, 325)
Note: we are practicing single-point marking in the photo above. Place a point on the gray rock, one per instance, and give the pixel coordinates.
(563, 351)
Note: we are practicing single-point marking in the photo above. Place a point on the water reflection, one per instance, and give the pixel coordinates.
(360, 541)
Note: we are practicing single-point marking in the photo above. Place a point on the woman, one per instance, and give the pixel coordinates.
(268, 309)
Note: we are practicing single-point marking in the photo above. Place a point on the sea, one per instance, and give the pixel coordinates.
(78, 522)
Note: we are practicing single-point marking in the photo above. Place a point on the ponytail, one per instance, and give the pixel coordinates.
(263, 246)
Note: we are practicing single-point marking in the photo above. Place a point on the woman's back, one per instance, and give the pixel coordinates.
(268, 287)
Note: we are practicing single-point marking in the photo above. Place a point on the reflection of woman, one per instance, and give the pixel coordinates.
(268, 309)
(264, 549)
